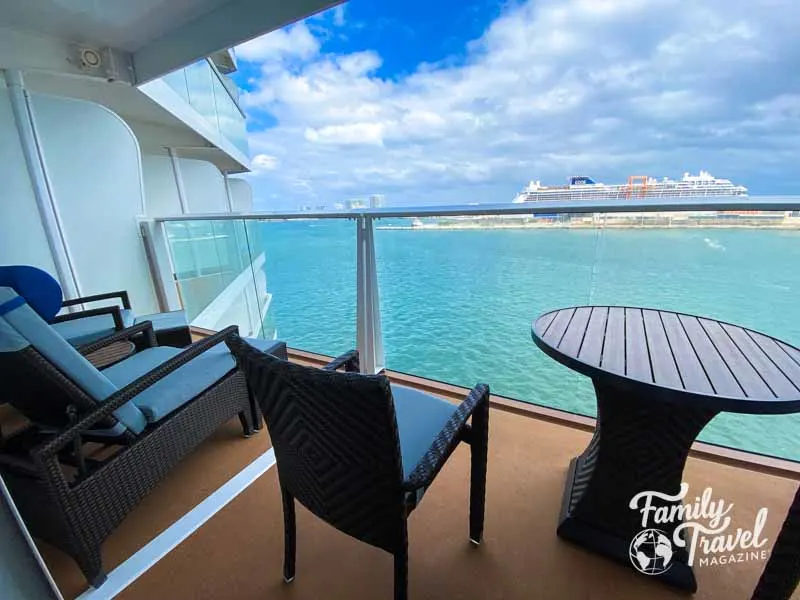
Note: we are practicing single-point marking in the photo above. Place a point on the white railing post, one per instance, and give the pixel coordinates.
(369, 336)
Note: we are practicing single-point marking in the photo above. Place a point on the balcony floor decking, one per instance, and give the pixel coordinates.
(238, 553)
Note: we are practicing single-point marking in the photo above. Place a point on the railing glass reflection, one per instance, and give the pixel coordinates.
(458, 293)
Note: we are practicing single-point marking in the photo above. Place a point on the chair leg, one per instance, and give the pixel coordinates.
(246, 419)
(91, 564)
(401, 568)
(478, 451)
(290, 536)
(258, 418)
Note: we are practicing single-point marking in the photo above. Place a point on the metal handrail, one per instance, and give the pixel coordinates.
(694, 204)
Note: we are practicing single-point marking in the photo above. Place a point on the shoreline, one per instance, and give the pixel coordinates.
(473, 226)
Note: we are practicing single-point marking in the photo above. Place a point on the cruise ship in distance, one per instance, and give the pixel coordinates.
(638, 186)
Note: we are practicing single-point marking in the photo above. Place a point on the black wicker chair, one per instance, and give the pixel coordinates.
(75, 501)
(358, 452)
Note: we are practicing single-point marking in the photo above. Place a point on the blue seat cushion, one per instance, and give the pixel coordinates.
(141, 363)
(420, 418)
(24, 326)
(89, 329)
(182, 385)
(175, 319)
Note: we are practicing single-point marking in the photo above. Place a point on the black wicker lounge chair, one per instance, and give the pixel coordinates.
(359, 452)
(81, 327)
(149, 411)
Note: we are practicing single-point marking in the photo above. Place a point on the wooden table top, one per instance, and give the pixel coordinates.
(730, 367)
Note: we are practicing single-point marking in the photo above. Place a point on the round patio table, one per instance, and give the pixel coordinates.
(659, 378)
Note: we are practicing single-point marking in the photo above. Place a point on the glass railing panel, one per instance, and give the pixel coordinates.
(311, 282)
(200, 81)
(232, 124)
(458, 296)
(196, 265)
(217, 275)
(177, 81)
(203, 88)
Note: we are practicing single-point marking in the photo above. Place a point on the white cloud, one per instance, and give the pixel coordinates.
(370, 134)
(264, 162)
(294, 41)
(604, 87)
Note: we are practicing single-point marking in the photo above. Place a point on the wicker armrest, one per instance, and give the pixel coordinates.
(122, 295)
(114, 311)
(144, 328)
(348, 360)
(126, 394)
(448, 437)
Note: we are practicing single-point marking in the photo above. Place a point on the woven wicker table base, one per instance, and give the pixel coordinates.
(637, 446)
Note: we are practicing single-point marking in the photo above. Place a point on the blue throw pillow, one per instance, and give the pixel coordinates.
(40, 290)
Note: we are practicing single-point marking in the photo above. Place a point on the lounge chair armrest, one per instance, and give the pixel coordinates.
(114, 311)
(130, 391)
(122, 295)
(448, 438)
(348, 360)
(144, 328)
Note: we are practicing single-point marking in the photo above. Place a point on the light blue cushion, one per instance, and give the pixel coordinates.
(263, 345)
(30, 326)
(176, 389)
(89, 329)
(167, 320)
(141, 363)
(10, 339)
(420, 418)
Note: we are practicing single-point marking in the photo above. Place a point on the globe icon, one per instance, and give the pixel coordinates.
(651, 552)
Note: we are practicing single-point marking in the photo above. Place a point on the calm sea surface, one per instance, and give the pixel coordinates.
(457, 305)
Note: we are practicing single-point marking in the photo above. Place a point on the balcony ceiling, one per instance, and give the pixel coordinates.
(159, 35)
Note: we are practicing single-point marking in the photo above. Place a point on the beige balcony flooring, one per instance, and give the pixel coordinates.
(239, 552)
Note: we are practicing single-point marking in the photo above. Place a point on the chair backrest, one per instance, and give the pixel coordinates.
(33, 355)
(40, 290)
(336, 442)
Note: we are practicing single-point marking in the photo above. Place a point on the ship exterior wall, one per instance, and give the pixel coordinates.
(94, 163)
(22, 236)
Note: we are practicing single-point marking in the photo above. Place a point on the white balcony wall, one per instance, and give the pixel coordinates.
(161, 192)
(204, 186)
(94, 164)
(22, 237)
(241, 195)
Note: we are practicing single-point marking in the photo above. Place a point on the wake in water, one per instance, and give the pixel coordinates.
(714, 244)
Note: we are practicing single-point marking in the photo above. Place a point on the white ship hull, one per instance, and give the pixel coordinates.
(583, 188)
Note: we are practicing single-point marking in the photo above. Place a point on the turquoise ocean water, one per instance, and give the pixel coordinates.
(457, 305)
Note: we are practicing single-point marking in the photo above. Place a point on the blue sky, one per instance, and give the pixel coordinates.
(465, 101)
